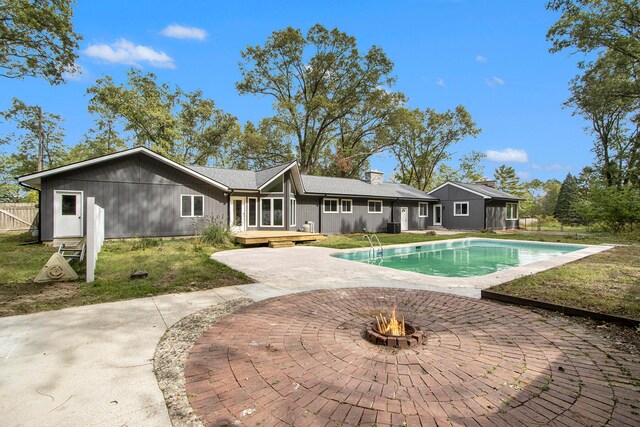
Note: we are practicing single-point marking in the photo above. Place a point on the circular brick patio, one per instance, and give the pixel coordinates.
(302, 360)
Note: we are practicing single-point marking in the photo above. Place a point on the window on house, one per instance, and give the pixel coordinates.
(253, 212)
(293, 207)
(330, 206)
(275, 187)
(271, 214)
(375, 206)
(68, 204)
(191, 205)
(423, 210)
(346, 206)
(461, 209)
(512, 211)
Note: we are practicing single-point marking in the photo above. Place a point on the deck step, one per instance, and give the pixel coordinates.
(281, 243)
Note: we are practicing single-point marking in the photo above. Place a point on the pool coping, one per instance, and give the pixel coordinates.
(304, 268)
(499, 277)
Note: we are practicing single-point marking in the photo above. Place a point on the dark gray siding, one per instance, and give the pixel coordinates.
(140, 196)
(496, 214)
(450, 194)
(337, 223)
(308, 210)
(415, 221)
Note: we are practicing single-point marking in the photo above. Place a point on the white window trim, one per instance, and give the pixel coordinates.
(375, 212)
(324, 206)
(292, 218)
(272, 181)
(460, 203)
(271, 208)
(192, 197)
(426, 209)
(249, 199)
(350, 206)
(517, 212)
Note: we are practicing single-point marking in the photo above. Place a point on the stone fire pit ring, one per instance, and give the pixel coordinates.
(414, 337)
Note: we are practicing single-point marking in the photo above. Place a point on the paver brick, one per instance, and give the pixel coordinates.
(482, 363)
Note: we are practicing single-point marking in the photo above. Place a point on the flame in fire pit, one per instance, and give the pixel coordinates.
(392, 326)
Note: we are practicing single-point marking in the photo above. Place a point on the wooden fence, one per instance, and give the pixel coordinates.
(18, 217)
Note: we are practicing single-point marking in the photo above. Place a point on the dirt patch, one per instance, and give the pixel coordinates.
(15, 297)
(172, 352)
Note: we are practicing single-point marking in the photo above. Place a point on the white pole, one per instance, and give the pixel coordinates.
(90, 239)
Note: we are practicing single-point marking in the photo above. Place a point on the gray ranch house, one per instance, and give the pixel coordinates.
(478, 206)
(146, 194)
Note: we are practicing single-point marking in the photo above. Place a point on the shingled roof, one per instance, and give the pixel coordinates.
(238, 179)
(356, 187)
(484, 190)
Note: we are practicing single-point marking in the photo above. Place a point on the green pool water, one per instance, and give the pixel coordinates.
(463, 258)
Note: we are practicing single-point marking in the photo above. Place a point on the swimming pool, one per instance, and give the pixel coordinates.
(462, 258)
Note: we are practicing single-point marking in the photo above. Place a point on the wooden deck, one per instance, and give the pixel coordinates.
(276, 238)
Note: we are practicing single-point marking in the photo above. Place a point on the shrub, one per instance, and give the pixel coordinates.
(216, 233)
(616, 209)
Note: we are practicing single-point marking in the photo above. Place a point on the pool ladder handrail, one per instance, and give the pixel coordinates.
(372, 250)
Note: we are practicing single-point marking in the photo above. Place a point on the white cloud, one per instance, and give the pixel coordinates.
(125, 52)
(481, 58)
(508, 155)
(494, 81)
(536, 167)
(181, 32)
(441, 83)
(523, 174)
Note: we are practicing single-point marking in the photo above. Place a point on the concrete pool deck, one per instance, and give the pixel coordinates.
(288, 270)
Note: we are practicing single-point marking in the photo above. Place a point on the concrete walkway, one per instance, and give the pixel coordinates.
(91, 366)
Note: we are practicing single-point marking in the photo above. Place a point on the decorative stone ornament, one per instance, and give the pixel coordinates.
(57, 269)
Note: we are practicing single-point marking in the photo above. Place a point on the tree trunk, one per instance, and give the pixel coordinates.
(40, 141)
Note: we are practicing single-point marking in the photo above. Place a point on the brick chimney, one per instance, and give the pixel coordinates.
(374, 177)
(491, 184)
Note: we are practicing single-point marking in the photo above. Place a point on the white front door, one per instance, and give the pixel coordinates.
(237, 218)
(437, 214)
(67, 213)
(404, 219)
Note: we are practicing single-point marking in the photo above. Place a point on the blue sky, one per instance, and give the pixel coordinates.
(490, 56)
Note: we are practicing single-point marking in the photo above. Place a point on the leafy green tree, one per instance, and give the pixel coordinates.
(566, 210)
(615, 121)
(470, 169)
(507, 180)
(423, 140)
(38, 140)
(103, 138)
(261, 147)
(184, 126)
(330, 98)
(589, 26)
(37, 39)
(618, 209)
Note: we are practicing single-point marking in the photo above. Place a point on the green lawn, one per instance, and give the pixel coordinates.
(608, 282)
(173, 266)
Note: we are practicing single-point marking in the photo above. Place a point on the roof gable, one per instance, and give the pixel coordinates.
(478, 189)
(34, 179)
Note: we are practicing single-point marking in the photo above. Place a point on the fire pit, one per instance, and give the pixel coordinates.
(393, 332)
